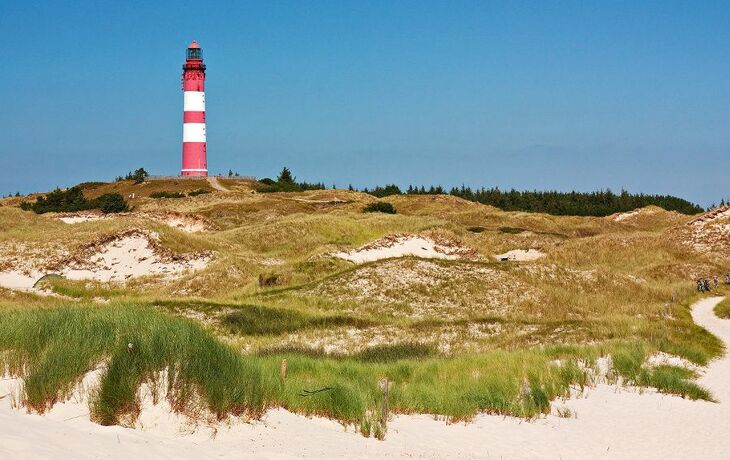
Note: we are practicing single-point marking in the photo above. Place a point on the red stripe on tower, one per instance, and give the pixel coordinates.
(194, 156)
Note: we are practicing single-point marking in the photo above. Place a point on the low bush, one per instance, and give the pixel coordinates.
(380, 206)
(512, 230)
(200, 191)
(393, 352)
(167, 195)
(110, 203)
(73, 200)
(259, 320)
(269, 279)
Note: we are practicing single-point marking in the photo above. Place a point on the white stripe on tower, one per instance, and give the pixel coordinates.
(193, 132)
(193, 101)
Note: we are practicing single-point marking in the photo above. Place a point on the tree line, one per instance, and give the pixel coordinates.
(286, 182)
(598, 203)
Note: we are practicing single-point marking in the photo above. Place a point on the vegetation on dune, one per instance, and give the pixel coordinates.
(723, 309)
(286, 182)
(73, 199)
(259, 320)
(54, 349)
(453, 337)
(380, 206)
(138, 176)
(167, 195)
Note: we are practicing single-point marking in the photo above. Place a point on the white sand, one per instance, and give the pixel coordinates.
(185, 225)
(625, 215)
(610, 423)
(712, 216)
(520, 255)
(19, 281)
(399, 246)
(77, 219)
(130, 256)
(189, 223)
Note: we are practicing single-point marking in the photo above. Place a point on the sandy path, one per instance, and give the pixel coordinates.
(611, 423)
(213, 181)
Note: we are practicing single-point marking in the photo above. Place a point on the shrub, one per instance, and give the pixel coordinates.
(260, 320)
(138, 176)
(512, 230)
(476, 229)
(167, 195)
(269, 279)
(111, 203)
(73, 200)
(380, 206)
(200, 191)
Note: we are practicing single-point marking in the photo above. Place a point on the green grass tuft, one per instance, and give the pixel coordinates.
(394, 352)
(259, 320)
(53, 350)
(723, 309)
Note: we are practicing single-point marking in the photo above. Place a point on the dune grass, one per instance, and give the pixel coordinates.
(629, 363)
(53, 349)
(260, 320)
(723, 308)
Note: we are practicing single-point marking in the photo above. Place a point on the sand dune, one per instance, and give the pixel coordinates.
(402, 246)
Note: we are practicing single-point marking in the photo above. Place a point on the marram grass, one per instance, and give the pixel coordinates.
(54, 348)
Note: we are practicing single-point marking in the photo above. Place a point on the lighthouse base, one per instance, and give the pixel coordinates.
(194, 172)
(194, 159)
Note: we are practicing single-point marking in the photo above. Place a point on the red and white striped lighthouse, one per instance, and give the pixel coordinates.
(194, 160)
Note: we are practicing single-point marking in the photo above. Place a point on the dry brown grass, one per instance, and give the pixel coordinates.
(601, 279)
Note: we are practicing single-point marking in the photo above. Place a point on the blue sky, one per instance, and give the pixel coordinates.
(533, 95)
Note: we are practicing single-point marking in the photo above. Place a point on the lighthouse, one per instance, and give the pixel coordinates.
(194, 160)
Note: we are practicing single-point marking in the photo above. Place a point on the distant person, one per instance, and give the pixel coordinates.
(727, 278)
(714, 280)
(706, 285)
(699, 285)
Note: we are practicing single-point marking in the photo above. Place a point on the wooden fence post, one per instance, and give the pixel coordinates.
(282, 369)
(384, 414)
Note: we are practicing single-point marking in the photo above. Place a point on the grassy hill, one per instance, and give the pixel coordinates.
(455, 337)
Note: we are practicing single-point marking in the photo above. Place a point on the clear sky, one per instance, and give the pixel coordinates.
(533, 95)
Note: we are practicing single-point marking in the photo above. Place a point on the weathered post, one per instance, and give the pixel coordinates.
(384, 414)
(282, 369)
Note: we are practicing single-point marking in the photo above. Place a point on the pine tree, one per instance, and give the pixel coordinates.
(285, 177)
